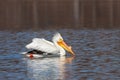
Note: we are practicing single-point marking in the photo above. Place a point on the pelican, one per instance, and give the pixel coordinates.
(41, 47)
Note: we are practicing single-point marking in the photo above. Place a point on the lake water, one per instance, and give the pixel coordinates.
(97, 56)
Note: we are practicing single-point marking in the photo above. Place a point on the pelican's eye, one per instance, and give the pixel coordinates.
(60, 40)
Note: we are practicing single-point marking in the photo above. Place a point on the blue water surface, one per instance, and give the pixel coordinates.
(97, 56)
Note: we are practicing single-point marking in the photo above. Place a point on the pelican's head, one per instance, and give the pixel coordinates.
(57, 38)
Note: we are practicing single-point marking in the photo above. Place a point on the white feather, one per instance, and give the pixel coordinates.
(43, 45)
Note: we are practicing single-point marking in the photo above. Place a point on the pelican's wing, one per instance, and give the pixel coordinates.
(42, 45)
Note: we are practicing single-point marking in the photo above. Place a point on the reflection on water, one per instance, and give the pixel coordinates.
(97, 56)
(47, 68)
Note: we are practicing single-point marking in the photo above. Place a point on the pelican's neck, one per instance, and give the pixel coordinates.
(62, 51)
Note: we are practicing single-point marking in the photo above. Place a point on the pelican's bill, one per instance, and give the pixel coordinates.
(65, 46)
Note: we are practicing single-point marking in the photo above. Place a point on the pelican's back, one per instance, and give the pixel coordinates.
(42, 45)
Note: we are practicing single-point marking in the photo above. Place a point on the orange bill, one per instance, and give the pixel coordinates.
(65, 46)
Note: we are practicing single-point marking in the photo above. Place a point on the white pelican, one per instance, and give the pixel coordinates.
(41, 47)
